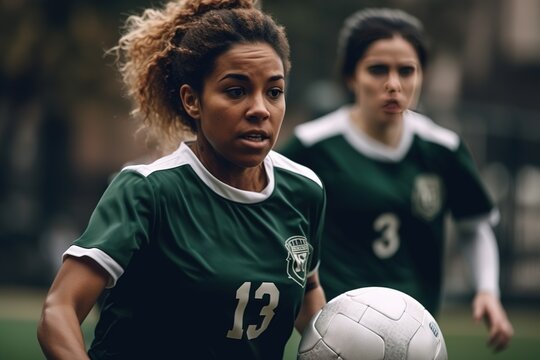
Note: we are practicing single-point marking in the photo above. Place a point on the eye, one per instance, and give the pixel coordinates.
(235, 92)
(378, 69)
(275, 93)
(406, 70)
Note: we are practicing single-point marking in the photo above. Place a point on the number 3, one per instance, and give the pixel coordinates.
(267, 311)
(388, 243)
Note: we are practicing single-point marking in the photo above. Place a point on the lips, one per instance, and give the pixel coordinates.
(256, 136)
(391, 105)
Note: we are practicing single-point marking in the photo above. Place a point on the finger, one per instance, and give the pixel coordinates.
(494, 343)
(499, 339)
(499, 342)
(478, 312)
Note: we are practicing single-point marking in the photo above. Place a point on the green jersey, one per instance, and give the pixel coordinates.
(199, 269)
(386, 207)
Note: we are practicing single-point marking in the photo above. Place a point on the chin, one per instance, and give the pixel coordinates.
(252, 157)
(390, 117)
(250, 162)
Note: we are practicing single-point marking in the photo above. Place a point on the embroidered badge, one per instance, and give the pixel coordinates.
(427, 196)
(297, 258)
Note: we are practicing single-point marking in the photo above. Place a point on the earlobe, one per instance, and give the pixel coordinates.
(190, 101)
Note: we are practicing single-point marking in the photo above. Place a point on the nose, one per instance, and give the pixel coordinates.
(393, 83)
(257, 109)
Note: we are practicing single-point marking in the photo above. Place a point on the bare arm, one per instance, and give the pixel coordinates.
(480, 249)
(314, 300)
(72, 295)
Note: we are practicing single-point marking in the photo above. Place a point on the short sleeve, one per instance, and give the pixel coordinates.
(120, 225)
(294, 150)
(467, 195)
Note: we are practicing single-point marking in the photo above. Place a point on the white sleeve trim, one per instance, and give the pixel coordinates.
(479, 247)
(103, 259)
(472, 223)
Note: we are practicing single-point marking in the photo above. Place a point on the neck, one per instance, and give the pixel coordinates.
(248, 179)
(386, 131)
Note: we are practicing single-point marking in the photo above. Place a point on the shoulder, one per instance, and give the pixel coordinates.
(171, 161)
(427, 130)
(280, 162)
(322, 128)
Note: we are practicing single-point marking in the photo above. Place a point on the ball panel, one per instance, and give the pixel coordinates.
(311, 335)
(381, 300)
(430, 323)
(345, 336)
(441, 353)
(396, 333)
(320, 351)
(339, 305)
(414, 308)
(423, 345)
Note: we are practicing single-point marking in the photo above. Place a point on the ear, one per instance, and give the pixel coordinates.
(190, 101)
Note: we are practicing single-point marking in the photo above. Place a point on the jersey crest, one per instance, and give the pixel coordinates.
(298, 250)
(427, 196)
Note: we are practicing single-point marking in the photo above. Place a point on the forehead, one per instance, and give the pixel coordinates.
(395, 49)
(252, 58)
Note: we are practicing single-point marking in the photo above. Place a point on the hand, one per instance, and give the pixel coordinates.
(488, 307)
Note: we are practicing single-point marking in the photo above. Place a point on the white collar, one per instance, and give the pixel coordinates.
(375, 149)
(227, 191)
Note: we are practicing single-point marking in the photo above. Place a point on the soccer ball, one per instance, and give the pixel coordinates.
(373, 323)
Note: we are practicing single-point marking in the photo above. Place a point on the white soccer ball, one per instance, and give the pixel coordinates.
(373, 323)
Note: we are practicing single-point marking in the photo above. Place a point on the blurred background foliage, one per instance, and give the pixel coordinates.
(65, 126)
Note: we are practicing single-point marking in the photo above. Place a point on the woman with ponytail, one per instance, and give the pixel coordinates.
(394, 177)
(212, 250)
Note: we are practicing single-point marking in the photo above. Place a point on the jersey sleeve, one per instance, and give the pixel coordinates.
(467, 196)
(119, 226)
(294, 150)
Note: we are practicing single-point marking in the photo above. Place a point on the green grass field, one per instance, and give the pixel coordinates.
(20, 309)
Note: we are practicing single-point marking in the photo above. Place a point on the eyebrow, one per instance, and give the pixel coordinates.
(242, 77)
(385, 63)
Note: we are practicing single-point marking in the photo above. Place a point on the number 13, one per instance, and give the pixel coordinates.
(267, 311)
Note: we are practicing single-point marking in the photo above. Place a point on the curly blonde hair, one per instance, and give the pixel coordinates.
(178, 44)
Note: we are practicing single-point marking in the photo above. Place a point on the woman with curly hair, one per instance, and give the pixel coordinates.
(210, 251)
